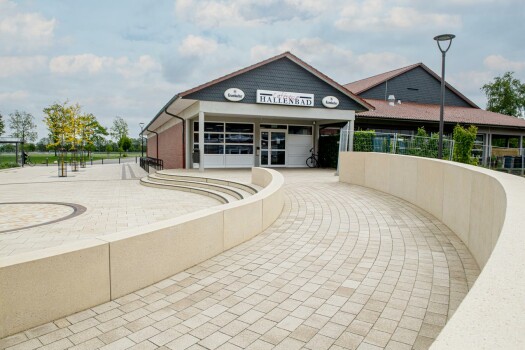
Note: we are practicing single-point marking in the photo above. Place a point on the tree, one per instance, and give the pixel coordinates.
(119, 129)
(58, 121)
(125, 143)
(23, 126)
(2, 125)
(506, 95)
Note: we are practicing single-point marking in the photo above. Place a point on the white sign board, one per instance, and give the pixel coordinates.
(285, 98)
(234, 94)
(330, 102)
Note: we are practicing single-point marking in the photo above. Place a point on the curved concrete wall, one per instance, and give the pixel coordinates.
(486, 209)
(39, 287)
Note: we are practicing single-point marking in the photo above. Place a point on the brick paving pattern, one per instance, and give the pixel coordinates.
(344, 267)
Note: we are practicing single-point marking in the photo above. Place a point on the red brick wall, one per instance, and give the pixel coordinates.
(170, 147)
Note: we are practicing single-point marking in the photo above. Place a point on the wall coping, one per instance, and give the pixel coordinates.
(491, 316)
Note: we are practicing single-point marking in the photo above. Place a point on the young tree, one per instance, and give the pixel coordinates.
(506, 95)
(23, 126)
(2, 125)
(57, 119)
(119, 129)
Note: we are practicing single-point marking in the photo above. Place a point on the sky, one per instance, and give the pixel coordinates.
(129, 57)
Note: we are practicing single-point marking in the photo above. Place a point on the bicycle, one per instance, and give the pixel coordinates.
(312, 161)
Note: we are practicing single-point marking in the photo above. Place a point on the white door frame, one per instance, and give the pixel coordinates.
(269, 150)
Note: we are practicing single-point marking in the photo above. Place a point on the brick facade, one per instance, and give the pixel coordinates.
(170, 147)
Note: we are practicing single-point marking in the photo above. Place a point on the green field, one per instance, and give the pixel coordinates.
(7, 160)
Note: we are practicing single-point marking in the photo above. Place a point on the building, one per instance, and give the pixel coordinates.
(267, 114)
(409, 97)
(271, 114)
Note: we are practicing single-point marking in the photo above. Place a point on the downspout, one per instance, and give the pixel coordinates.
(183, 136)
(156, 133)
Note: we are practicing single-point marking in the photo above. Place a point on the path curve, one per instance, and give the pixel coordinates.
(344, 267)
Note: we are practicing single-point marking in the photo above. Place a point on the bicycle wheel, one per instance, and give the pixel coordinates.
(311, 162)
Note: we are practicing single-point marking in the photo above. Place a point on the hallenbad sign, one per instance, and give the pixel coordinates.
(285, 98)
(234, 94)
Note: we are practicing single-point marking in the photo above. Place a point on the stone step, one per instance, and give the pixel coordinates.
(220, 196)
(228, 183)
(190, 182)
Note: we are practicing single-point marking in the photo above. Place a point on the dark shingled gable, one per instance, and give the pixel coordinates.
(415, 85)
(278, 75)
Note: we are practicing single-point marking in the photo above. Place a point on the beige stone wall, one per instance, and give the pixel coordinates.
(39, 287)
(486, 209)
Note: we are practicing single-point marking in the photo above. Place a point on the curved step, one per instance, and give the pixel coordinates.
(198, 184)
(221, 197)
(241, 186)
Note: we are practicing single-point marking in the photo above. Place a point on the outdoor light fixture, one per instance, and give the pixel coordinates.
(443, 38)
(141, 140)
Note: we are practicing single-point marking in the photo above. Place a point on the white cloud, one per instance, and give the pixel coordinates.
(24, 31)
(92, 64)
(21, 65)
(499, 63)
(377, 15)
(247, 13)
(194, 45)
(7, 97)
(337, 62)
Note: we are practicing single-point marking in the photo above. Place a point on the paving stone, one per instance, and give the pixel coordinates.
(343, 266)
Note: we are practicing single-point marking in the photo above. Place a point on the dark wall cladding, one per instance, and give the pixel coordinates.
(415, 85)
(280, 75)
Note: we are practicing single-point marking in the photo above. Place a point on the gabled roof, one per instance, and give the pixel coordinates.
(294, 59)
(430, 113)
(360, 86)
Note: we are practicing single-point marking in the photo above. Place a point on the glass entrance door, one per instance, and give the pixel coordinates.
(273, 148)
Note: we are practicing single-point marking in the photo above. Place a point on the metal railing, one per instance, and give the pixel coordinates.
(155, 163)
(370, 141)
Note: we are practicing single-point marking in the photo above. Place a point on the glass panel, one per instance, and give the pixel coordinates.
(239, 149)
(234, 127)
(213, 149)
(209, 126)
(299, 130)
(278, 140)
(239, 138)
(272, 126)
(264, 157)
(209, 138)
(264, 140)
(213, 138)
(214, 127)
(278, 157)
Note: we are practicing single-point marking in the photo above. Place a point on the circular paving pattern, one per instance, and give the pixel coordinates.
(16, 216)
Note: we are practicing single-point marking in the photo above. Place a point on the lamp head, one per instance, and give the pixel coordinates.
(444, 38)
(141, 125)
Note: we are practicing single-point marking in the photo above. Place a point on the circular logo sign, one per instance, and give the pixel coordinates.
(234, 94)
(330, 102)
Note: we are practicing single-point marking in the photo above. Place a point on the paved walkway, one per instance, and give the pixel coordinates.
(112, 194)
(344, 267)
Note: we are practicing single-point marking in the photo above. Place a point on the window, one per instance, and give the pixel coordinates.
(299, 130)
(237, 127)
(225, 138)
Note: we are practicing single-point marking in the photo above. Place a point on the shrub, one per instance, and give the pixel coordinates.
(364, 141)
(463, 144)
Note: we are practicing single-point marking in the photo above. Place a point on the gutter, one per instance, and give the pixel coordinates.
(183, 135)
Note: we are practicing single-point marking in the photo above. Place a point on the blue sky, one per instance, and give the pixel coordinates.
(128, 58)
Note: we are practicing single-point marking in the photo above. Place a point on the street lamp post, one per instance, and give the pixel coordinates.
(443, 38)
(141, 140)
